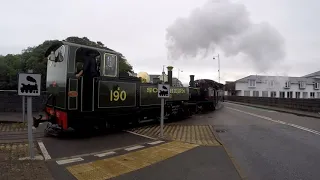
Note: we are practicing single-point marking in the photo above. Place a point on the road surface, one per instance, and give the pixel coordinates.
(268, 144)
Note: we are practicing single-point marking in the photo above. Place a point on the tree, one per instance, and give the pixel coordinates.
(34, 58)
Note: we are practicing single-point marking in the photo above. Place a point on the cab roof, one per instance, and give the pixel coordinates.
(57, 44)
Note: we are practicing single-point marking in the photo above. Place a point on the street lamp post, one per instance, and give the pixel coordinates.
(214, 57)
(179, 70)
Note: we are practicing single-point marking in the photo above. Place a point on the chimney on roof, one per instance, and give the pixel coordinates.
(170, 75)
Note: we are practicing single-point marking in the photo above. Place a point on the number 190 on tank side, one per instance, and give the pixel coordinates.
(85, 89)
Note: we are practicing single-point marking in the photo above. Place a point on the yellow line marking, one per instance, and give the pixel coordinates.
(115, 166)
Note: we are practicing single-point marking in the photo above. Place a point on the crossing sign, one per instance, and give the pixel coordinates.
(29, 84)
(163, 91)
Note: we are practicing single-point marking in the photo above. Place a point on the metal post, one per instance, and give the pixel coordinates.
(23, 109)
(29, 115)
(162, 117)
(162, 107)
(219, 67)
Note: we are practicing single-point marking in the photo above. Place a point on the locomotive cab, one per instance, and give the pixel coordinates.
(73, 74)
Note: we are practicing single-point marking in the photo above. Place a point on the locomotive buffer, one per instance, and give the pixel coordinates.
(163, 92)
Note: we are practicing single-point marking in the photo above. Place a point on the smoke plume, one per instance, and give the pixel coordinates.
(225, 25)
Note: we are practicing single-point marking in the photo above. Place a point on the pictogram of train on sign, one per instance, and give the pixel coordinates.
(164, 91)
(29, 88)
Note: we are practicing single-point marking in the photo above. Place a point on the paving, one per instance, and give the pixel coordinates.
(14, 164)
(16, 127)
(196, 134)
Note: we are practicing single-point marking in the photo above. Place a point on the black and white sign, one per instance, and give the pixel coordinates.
(29, 84)
(163, 91)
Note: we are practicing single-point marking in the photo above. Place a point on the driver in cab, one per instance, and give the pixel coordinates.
(89, 67)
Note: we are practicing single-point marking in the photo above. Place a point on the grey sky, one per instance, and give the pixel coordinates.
(138, 30)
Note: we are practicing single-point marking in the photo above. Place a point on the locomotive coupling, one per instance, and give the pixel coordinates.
(36, 121)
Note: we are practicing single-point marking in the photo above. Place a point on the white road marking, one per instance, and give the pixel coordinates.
(250, 107)
(155, 142)
(105, 154)
(278, 121)
(141, 135)
(133, 148)
(44, 150)
(66, 161)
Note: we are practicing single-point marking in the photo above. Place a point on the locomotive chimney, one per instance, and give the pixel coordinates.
(170, 75)
(191, 83)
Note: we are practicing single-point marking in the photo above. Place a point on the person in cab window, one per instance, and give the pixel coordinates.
(90, 65)
(89, 72)
(79, 72)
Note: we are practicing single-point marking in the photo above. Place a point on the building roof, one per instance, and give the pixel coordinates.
(312, 74)
(260, 79)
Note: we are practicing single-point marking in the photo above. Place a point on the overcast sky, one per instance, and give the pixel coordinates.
(275, 37)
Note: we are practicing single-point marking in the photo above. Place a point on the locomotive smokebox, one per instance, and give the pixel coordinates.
(170, 75)
(191, 83)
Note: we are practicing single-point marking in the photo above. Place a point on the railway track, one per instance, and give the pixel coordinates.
(11, 137)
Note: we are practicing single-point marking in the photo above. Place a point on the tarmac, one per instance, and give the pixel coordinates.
(185, 152)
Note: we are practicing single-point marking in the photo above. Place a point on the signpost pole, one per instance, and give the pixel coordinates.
(162, 117)
(29, 115)
(29, 85)
(163, 92)
(162, 107)
(23, 109)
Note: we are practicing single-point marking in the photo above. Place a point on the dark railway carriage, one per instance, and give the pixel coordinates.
(86, 89)
(99, 98)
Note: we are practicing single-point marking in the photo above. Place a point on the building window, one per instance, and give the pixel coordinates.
(298, 94)
(264, 93)
(246, 93)
(287, 84)
(252, 83)
(311, 94)
(316, 86)
(289, 94)
(318, 94)
(302, 85)
(271, 83)
(305, 95)
(256, 93)
(273, 94)
(282, 94)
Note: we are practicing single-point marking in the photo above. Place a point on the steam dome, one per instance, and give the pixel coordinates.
(144, 76)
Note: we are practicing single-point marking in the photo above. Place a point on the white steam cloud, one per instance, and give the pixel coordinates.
(226, 25)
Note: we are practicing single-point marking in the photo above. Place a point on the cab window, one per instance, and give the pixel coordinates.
(110, 65)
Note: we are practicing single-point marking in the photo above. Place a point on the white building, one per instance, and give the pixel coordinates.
(279, 86)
